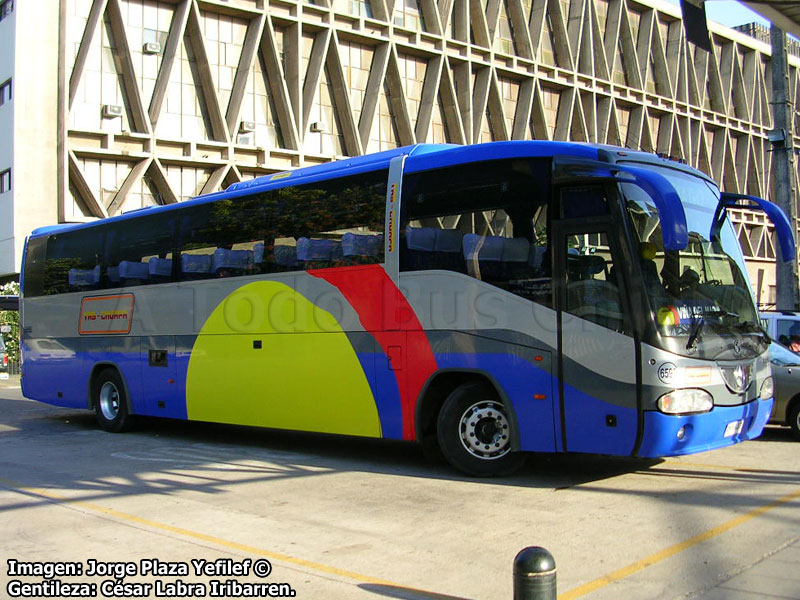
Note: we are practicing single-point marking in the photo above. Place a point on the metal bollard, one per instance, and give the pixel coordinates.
(534, 574)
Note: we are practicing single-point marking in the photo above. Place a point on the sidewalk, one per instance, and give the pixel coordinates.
(775, 576)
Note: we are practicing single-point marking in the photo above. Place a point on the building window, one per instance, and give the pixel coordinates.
(5, 181)
(6, 7)
(358, 8)
(407, 14)
(5, 92)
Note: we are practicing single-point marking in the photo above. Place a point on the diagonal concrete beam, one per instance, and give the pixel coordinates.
(207, 87)
(95, 17)
(124, 60)
(377, 75)
(84, 191)
(134, 177)
(177, 30)
(244, 71)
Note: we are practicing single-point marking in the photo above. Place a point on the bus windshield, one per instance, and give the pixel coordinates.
(699, 295)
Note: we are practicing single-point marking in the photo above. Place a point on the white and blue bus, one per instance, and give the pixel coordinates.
(488, 300)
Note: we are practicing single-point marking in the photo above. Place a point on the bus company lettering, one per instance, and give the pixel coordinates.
(106, 314)
(391, 217)
(692, 312)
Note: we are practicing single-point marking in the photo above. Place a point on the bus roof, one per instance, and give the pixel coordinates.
(421, 157)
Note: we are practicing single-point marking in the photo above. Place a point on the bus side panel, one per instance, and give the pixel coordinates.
(52, 353)
(600, 396)
(527, 386)
(176, 401)
(122, 352)
(382, 375)
(58, 371)
(383, 309)
(270, 357)
(161, 395)
(597, 426)
(54, 372)
(301, 381)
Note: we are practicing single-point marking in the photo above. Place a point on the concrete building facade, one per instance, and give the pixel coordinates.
(28, 125)
(120, 104)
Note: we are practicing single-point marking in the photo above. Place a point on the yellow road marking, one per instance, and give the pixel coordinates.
(682, 463)
(640, 565)
(285, 558)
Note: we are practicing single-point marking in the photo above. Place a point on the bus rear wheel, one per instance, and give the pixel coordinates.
(111, 402)
(474, 432)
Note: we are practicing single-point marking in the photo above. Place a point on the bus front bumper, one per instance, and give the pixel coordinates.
(673, 435)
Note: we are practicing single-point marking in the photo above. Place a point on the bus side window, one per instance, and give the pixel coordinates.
(223, 239)
(34, 267)
(331, 223)
(72, 262)
(138, 252)
(489, 223)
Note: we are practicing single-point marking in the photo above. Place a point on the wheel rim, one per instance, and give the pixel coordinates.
(109, 401)
(484, 430)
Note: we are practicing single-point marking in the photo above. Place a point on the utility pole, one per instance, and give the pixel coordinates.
(783, 165)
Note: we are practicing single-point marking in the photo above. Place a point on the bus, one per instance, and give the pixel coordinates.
(485, 301)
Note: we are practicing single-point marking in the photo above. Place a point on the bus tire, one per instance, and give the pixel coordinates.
(794, 419)
(111, 402)
(474, 432)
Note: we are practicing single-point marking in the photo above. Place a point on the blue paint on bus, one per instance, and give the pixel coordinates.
(701, 432)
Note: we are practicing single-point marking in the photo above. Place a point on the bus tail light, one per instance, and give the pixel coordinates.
(682, 402)
(767, 389)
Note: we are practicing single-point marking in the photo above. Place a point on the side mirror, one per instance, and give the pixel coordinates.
(783, 228)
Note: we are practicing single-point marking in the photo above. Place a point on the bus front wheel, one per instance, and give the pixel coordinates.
(474, 432)
(111, 402)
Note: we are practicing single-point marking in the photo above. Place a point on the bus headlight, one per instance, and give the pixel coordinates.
(767, 389)
(682, 402)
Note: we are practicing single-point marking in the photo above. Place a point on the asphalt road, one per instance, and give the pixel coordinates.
(349, 518)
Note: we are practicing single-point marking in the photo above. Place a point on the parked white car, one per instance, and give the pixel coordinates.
(784, 328)
(780, 323)
(786, 379)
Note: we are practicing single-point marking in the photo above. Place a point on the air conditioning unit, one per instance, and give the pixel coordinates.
(112, 111)
(318, 127)
(247, 126)
(152, 48)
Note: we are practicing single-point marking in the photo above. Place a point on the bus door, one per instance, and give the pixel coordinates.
(596, 351)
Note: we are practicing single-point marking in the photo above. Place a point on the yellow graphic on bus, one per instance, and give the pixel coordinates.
(268, 357)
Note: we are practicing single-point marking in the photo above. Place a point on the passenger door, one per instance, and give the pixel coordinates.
(597, 352)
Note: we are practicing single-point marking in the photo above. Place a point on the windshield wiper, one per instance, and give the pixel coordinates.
(696, 330)
(721, 314)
